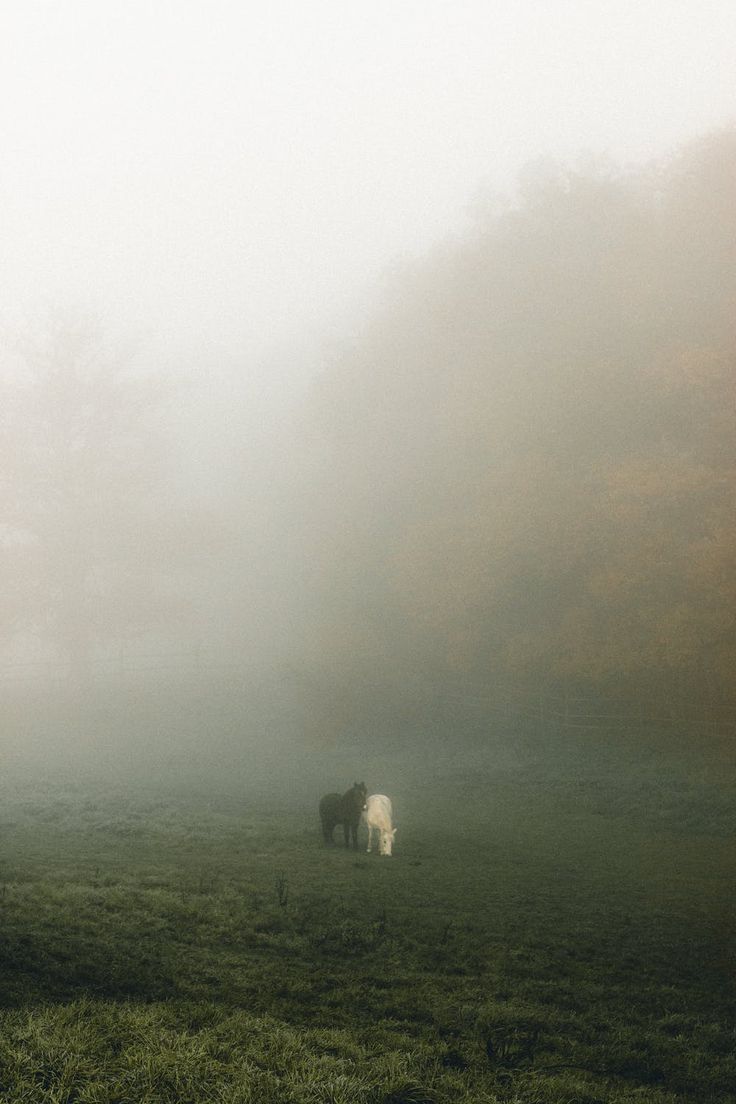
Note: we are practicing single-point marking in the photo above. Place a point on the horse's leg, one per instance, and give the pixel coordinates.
(346, 829)
(369, 838)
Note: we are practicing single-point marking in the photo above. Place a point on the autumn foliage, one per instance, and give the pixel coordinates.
(524, 466)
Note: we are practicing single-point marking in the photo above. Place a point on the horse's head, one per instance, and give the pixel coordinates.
(360, 795)
(386, 841)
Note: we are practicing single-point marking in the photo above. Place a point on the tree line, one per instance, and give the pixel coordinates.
(519, 469)
(523, 467)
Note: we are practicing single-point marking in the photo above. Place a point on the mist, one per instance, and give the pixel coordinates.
(507, 487)
(364, 377)
(366, 448)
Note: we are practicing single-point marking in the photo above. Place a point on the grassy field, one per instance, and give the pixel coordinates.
(541, 934)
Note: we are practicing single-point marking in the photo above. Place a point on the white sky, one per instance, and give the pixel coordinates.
(227, 177)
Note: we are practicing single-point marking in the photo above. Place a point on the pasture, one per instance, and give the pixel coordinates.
(540, 934)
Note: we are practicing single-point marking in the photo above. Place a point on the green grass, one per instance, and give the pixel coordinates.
(535, 937)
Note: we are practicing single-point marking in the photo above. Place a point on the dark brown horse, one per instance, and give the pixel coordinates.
(345, 810)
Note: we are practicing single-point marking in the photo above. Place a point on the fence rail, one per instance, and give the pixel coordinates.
(120, 665)
(552, 708)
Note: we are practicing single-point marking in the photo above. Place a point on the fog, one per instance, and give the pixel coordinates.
(366, 381)
(231, 180)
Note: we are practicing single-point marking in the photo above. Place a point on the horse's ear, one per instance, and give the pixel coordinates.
(355, 785)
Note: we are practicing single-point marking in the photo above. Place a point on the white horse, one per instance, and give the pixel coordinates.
(377, 815)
